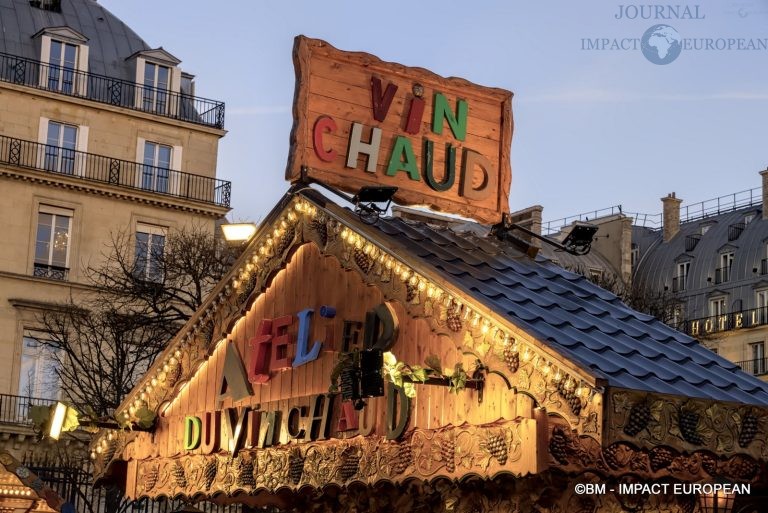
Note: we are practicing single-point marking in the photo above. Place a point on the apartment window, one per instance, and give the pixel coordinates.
(634, 255)
(54, 228)
(758, 357)
(595, 275)
(761, 298)
(681, 277)
(717, 307)
(150, 245)
(62, 66)
(723, 273)
(38, 376)
(157, 162)
(156, 85)
(60, 146)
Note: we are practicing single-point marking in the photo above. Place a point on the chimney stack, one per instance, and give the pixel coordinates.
(671, 214)
(764, 174)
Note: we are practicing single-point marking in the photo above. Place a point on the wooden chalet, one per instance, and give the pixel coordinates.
(351, 363)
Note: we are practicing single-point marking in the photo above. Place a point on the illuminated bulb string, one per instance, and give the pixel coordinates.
(399, 269)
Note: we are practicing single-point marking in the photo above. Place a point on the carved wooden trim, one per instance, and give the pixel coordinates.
(687, 425)
(450, 453)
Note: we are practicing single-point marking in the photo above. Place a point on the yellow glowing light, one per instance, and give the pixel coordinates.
(238, 232)
(57, 422)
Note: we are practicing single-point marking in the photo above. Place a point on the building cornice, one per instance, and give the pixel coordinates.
(62, 181)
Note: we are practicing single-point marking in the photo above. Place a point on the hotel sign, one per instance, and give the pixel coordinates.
(444, 142)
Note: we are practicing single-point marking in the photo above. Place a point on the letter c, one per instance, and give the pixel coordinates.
(322, 125)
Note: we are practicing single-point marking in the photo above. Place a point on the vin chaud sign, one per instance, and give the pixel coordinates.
(444, 142)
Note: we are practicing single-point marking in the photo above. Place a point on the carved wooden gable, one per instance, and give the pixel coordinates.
(243, 392)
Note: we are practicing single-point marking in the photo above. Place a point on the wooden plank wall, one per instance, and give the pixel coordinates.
(312, 280)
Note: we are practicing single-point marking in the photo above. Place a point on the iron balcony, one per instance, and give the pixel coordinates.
(14, 409)
(122, 173)
(755, 366)
(111, 91)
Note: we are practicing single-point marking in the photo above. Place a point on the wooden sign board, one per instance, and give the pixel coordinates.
(444, 142)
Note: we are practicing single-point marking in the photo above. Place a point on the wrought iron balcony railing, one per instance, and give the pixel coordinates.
(725, 322)
(756, 366)
(14, 409)
(121, 173)
(112, 91)
(50, 271)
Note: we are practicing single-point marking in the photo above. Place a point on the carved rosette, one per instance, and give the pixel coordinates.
(448, 453)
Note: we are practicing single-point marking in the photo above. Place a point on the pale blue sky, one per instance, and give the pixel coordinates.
(592, 128)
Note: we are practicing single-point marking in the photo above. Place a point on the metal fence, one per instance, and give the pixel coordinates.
(14, 409)
(121, 173)
(112, 91)
(74, 485)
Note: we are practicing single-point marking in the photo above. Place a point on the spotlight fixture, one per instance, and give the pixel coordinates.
(367, 199)
(238, 232)
(578, 241)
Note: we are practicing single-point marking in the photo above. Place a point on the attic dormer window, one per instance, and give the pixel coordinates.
(46, 5)
(158, 82)
(63, 66)
(64, 54)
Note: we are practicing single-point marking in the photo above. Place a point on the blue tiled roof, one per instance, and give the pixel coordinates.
(585, 323)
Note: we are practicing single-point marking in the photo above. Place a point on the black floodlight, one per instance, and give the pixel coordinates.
(371, 378)
(367, 201)
(579, 241)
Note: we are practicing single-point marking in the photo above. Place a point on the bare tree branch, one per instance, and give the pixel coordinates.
(104, 342)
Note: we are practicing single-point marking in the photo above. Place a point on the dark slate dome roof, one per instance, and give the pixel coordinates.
(110, 41)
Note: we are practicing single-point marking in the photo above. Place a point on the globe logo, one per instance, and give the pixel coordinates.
(661, 44)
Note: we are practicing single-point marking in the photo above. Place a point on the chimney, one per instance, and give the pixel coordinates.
(671, 215)
(764, 174)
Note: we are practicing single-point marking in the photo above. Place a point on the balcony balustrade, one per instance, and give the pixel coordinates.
(14, 409)
(111, 91)
(121, 173)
